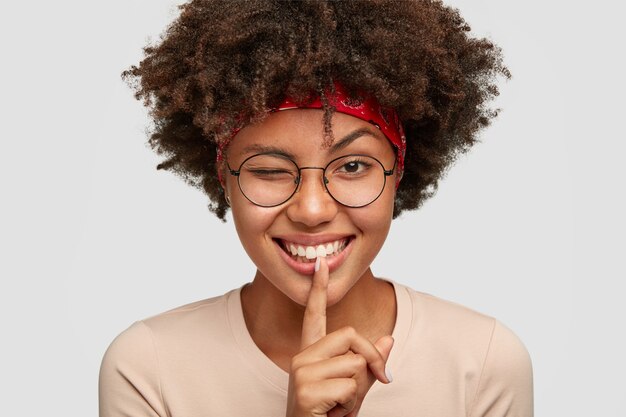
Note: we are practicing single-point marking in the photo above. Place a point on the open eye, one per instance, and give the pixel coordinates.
(353, 165)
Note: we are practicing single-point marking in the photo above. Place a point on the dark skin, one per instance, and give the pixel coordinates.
(333, 372)
(329, 328)
(274, 303)
(373, 320)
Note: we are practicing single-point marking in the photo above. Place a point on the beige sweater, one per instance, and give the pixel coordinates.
(199, 360)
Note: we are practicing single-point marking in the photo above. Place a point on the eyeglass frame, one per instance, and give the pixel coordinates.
(386, 172)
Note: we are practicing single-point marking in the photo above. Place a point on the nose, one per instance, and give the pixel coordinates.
(311, 204)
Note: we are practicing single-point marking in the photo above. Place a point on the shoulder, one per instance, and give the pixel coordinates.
(446, 319)
(207, 316)
(144, 340)
(129, 379)
(480, 346)
(135, 362)
(506, 380)
(449, 323)
(190, 317)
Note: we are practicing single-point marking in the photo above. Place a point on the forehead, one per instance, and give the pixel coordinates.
(300, 132)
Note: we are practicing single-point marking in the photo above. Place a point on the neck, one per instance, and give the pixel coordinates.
(275, 321)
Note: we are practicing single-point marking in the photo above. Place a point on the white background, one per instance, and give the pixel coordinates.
(527, 227)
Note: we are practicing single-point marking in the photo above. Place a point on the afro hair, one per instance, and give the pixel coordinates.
(222, 64)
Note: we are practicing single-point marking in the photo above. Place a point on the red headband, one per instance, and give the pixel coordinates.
(384, 118)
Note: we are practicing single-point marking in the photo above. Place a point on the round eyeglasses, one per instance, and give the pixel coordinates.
(269, 180)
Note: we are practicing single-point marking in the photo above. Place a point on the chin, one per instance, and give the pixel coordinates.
(297, 287)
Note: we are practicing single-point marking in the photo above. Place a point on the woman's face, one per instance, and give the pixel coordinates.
(311, 217)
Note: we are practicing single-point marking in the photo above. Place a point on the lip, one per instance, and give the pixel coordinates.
(309, 268)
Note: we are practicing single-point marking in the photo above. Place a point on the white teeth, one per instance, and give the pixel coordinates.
(308, 253)
(329, 249)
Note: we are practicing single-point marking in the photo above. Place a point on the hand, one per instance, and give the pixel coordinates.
(332, 373)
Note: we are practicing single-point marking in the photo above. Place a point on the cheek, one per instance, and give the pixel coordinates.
(374, 225)
(381, 210)
(251, 223)
(374, 221)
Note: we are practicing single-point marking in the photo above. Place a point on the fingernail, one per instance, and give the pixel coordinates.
(317, 263)
(388, 374)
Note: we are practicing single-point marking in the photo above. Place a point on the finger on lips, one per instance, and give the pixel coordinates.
(338, 343)
(314, 321)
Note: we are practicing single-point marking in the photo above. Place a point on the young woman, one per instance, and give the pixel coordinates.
(316, 123)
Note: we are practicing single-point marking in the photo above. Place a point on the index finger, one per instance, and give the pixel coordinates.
(314, 321)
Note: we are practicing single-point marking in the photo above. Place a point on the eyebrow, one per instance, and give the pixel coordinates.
(351, 137)
(341, 144)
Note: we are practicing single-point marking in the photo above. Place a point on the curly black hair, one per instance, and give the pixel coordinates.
(223, 64)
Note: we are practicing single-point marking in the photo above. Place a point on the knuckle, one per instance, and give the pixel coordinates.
(359, 360)
(303, 395)
(348, 393)
(353, 387)
(296, 362)
(299, 374)
(349, 331)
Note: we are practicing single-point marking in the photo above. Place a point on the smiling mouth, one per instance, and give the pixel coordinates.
(308, 254)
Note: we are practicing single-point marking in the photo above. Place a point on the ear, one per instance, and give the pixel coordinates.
(224, 189)
(221, 175)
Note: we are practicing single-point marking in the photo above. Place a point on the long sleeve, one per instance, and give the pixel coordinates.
(506, 383)
(129, 384)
